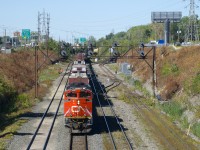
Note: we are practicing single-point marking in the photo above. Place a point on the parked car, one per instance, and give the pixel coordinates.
(3, 48)
(177, 44)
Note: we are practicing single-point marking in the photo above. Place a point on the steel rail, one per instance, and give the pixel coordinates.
(110, 134)
(118, 122)
(71, 139)
(45, 113)
(51, 128)
(86, 143)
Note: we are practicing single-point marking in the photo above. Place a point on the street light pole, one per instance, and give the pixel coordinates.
(178, 32)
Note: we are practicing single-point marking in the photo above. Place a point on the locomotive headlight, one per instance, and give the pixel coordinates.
(78, 102)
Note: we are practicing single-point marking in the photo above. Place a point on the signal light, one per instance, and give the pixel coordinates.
(141, 51)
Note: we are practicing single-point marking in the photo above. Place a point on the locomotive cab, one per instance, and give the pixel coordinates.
(78, 107)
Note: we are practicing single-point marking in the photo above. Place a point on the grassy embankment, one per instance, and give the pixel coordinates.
(178, 81)
(17, 89)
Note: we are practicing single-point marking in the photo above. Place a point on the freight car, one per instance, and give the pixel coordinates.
(78, 97)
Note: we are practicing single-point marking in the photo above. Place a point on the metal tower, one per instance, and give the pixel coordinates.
(39, 29)
(43, 26)
(192, 28)
(48, 22)
(44, 31)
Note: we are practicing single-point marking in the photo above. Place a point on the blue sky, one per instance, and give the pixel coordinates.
(78, 18)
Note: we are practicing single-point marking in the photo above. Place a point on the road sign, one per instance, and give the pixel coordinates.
(82, 40)
(161, 17)
(26, 34)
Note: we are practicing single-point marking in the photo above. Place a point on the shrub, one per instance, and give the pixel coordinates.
(138, 84)
(23, 101)
(174, 68)
(168, 69)
(7, 96)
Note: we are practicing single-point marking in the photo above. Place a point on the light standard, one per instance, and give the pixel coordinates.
(178, 32)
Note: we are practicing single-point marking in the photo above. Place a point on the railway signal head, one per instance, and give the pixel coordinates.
(115, 44)
(115, 53)
(90, 46)
(63, 53)
(90, 53)
(141, 51)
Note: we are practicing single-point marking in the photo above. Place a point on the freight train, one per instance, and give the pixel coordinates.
(78, 97)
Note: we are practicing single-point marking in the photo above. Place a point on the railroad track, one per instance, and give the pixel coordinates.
(97, 86)
(166, 132)
(44, 129)
(78, 140)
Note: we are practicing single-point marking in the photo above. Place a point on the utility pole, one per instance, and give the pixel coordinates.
(154, 78)
(36, 71)
(5, 39)
(192, 28)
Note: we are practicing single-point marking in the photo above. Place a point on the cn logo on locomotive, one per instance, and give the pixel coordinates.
(77, 109)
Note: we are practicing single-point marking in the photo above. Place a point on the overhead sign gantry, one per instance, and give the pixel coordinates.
(166, 17)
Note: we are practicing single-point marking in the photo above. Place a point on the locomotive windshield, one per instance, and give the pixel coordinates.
(71, 95)
(84, 94)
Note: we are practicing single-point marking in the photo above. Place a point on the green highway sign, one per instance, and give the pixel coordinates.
(26, 34)
(82, 40)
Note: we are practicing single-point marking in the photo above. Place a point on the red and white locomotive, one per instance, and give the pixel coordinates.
(78, 97)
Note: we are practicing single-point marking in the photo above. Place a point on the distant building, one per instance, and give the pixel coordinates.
(17, 34)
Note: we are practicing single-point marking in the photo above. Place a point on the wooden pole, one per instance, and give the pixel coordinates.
(36, 71)
(154, 71)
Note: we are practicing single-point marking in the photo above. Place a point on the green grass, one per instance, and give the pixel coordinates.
(168, 69)
(174, 109)
(196, 129)
(195, 88)
(49, 74)
(192, 85)
(114, 67)
(24, 101)
(184, 122)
